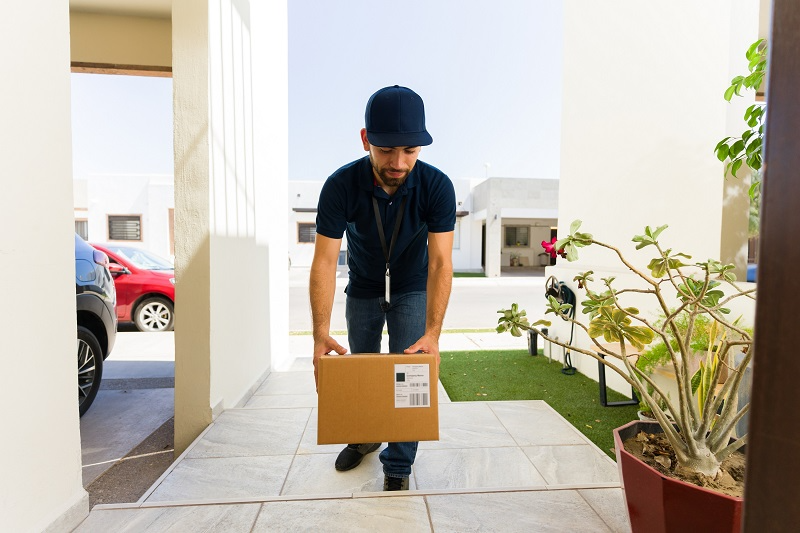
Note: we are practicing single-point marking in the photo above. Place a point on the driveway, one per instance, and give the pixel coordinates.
(136, 398)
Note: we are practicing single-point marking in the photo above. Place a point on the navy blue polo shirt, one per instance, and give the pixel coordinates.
(345, 204)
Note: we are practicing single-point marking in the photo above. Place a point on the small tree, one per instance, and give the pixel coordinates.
(746, 149)
(703, 419)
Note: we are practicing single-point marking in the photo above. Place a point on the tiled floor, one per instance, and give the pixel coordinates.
(498, 466)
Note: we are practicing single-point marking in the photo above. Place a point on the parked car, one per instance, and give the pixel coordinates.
(95, 297)
(145, 286)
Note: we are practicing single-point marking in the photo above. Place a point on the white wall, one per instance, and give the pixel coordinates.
(151, 196)
(40, 452)
(654, 77)
(230, 78)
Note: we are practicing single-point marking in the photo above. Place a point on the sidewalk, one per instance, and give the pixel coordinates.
(303, 345)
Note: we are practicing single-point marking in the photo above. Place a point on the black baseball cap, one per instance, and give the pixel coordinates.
(396, 117)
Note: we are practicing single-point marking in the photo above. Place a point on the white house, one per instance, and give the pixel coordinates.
(136, 209)
(519, 214)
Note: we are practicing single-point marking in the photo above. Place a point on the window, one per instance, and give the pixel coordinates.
(457, 235)
(124, 227)
(82, 228)
(516, 236)
(306, 232)
(342, 258)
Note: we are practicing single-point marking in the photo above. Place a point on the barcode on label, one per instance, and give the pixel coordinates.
(419, 399)
(417, 384)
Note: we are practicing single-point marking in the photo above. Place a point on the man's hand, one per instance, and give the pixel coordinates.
(322, 346)
(426, 344)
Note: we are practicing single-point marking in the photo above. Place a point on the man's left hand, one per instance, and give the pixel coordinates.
(426, 344)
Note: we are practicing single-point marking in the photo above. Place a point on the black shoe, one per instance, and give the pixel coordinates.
(352, 456)
(395, 483)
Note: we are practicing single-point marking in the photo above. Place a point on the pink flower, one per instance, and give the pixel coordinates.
(549, 247)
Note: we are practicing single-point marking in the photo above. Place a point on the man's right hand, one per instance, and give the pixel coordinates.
(325, 345)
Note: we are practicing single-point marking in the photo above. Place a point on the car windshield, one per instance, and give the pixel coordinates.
(143, 258)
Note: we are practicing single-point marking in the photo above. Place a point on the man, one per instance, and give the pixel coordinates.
(400, 257)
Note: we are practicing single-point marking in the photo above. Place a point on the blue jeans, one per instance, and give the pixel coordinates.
(405, 322)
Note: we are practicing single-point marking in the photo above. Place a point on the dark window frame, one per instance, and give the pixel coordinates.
(513, 243)
(306, 232)
(126, 228)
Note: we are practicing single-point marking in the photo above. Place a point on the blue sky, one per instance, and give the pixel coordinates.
(489, 73)
(121, 125)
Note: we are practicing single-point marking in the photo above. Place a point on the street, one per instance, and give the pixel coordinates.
(474, 302)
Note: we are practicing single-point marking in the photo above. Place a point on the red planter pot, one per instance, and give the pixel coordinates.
(657, 503)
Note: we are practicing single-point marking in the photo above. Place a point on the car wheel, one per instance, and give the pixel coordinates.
(154, 314)
(90, 368)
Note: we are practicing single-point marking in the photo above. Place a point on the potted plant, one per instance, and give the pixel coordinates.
(692, 435)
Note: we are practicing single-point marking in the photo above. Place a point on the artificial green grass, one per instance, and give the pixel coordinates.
(469, 275)
(516, 375)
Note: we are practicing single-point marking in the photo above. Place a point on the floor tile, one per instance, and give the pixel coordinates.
(224, 478)
(468, 425)
(570, 465)
(244, 432)
(610, 505)
(266, 401)
(308, 443)
(288, 383)
(228, 518)
(315, 474)
(511, 512)
(475, 468)
(302, 363)
(345, 516)
(534, 422)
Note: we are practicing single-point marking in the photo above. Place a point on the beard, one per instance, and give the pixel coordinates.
(386, 178)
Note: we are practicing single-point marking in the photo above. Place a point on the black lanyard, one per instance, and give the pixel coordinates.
(387, 253)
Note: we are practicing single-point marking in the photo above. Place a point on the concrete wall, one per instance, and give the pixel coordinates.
(230, 161)
(126, 40)
(41, 485)
(654, 77)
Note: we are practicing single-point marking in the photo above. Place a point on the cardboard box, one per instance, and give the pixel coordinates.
(377, 398)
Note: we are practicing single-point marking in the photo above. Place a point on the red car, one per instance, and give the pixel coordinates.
(145, 286)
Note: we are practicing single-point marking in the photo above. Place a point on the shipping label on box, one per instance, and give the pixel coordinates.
(412, 386)
(377, 398)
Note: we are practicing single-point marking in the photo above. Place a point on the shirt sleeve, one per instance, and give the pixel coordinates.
(442, 217)
(331, 216)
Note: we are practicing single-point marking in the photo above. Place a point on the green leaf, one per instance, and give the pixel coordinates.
(571, 251)
(696, 381)
(658, 231)
(658, 267)
(729, 93)
(723, 142)
(722, 152)
(754, 187)
(736, 166)
(574, 226)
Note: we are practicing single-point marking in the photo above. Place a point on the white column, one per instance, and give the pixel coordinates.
(40, 452)
(494, 241)
(229, 187)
